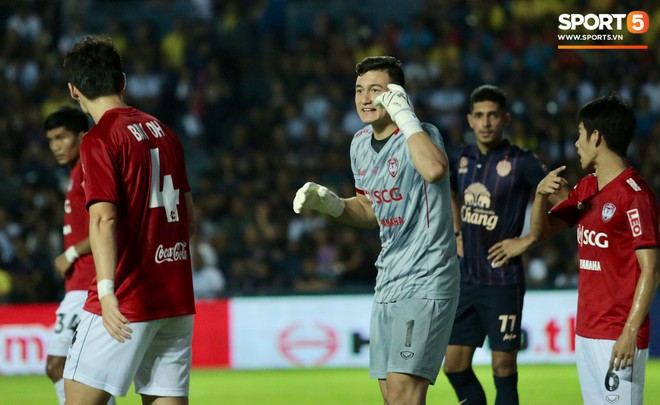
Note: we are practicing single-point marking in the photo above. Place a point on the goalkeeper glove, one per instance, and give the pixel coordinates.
(316, 197)
(398, 106)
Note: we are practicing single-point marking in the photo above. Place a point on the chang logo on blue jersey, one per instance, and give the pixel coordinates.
(476, 207)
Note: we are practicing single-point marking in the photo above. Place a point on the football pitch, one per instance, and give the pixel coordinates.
(538, 385)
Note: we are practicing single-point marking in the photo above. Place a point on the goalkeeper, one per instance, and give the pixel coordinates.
(402, 185)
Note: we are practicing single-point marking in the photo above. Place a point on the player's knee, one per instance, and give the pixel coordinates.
(410, 390)
(504, 364)
(457, 359)
(55, 368)
(504, 370)
(454, 367)
(401, 397)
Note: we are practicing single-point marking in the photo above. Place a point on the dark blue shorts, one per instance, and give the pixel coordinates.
(493, 311)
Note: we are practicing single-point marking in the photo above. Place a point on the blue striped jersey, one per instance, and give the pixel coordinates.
(495, 189)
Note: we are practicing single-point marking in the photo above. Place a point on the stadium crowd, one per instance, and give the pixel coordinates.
(263, 102)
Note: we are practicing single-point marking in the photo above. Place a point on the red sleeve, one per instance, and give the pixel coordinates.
(570, 210)
(100, 171)
(643, 221)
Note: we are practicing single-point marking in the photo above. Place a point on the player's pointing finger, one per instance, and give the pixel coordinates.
(558, 170)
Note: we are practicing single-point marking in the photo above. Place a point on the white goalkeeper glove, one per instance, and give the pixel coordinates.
(398, 106)
(316, 197)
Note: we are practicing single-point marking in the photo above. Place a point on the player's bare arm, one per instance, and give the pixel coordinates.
(429, 160)
(64, 262)
(623, 352)
(542, 225)
(456, 210)
(102, 236)
(358, 212)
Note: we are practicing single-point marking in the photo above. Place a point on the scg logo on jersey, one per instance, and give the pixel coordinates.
(384, 195)
(592, 238)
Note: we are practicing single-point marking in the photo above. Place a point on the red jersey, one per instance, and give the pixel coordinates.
(611, 224)
(134, 161)
(76, 228)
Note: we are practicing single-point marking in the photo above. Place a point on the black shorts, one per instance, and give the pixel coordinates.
(493, 311)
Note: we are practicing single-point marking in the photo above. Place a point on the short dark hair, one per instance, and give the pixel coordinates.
(94, 67)
(613, 118)
(71, 118)
(389, 64)
(488, 92)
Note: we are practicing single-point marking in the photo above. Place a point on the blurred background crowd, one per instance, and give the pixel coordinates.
(261, 94)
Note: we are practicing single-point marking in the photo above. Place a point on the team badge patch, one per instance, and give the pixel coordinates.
(635, 222)
(463, 165)
(393, 166)
(608, 212)
(503, 168)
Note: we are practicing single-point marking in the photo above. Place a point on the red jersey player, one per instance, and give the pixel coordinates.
(64, 130)
(617, 230)
(137, 325)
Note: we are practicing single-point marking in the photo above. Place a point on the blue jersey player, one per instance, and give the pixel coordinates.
(402, 186)
(492, 181)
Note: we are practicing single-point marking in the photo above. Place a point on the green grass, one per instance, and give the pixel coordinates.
(538, 385)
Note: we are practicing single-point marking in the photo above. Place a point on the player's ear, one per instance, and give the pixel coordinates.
(123, 82)
(597, 137)
(73, 91)
(469, 120)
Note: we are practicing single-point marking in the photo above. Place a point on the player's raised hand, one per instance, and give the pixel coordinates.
(398, 106)
(313, 196)
(552, 183)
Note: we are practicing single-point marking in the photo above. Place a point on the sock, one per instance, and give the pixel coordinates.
(59, 390)
(467, 387)
(507, 390)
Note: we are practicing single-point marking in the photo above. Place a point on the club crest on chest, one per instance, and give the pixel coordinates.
(503, 168)
(393, 166)
(607, 212)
